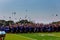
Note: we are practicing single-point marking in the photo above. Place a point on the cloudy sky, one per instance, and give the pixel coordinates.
(36, 10)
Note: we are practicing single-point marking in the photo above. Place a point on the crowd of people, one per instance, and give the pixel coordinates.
(30, 28)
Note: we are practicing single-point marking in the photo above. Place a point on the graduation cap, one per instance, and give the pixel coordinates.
(9, 17)
(14, 13)
(56, 14)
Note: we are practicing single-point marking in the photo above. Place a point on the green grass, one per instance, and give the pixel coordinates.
(34, 36)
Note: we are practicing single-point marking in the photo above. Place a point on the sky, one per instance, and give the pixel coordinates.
(39, 11)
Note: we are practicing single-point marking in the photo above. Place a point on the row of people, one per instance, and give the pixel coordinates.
(25, 28)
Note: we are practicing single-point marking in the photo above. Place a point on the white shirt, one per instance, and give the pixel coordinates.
(2, 32)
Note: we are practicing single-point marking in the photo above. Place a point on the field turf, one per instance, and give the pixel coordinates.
(33, 36)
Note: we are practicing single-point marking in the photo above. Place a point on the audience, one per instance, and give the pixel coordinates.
(29, 28)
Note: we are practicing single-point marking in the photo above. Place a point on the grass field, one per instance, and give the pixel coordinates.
(34, 36)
